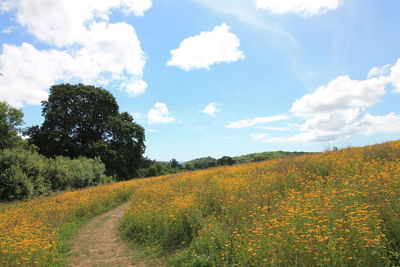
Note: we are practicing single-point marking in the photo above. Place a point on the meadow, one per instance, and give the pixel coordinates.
(31, 233)
(339, 208)
(327, 209)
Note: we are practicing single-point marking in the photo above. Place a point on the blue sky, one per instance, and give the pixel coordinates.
(226, 77)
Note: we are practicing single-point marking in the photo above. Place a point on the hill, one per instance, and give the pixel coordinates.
(338, 208)
(207, 162)
(255, 157)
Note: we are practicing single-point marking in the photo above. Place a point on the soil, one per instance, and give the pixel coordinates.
(99, 244)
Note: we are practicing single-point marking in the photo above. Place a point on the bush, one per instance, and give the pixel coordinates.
(65, 174)
(22, 174)
(25, 174)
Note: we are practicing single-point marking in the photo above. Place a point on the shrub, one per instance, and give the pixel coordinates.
(25, 174)
(22, 174)
(65, 174)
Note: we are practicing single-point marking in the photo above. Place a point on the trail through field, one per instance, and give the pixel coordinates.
(98, 244)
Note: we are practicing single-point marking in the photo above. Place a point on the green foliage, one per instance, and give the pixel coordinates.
(26, 174)
(10, 119)
(208, 162)
(174, 163)
(82, 120)
(255, 157)
(200, 163)
(22, 174)
(157, 168)
(225, 160)
(65, 174)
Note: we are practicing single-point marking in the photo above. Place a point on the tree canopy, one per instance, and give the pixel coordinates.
(83, 120)
(10, 120)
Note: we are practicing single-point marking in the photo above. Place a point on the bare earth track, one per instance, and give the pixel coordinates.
(98, 244)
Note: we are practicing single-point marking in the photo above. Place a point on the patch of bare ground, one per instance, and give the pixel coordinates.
(99, 244)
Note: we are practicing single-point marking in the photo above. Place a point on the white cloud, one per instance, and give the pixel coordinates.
(206, 49)
(379, 71)
(394, 77)
(89, 49)
(211, 109)
(254, 121)
(160, 114)
(28, 73)
(339, 109)
(302, 7)
(341, 93)
(363, 124)
(65, 22)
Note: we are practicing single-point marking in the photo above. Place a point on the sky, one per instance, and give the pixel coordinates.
(215, 77)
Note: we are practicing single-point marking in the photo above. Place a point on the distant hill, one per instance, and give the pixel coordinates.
(253, 157)
(207, 162)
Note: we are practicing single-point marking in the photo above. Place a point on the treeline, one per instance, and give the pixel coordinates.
(208, 162)
(83, 141)
(255, 157)
(156, 168)
(152, 168)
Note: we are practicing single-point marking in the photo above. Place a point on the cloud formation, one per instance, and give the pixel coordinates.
(255, 121)
(302, 7)
(211, 109)
(206, 49)
(87, 48)
(160, 114)
(339, 109)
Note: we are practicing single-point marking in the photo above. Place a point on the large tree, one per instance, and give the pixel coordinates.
(10, 120)
(83, 120)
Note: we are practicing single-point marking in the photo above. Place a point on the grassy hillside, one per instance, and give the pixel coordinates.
(329, 209)
(207, 162)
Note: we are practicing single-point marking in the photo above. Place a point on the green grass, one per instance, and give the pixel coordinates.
(66, 233)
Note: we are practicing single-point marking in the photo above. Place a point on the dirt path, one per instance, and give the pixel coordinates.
(98, 244)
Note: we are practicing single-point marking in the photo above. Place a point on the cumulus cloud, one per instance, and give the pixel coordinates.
(362, 125)
(340, 109)
(341, 94)
(211, 109)
(254, 121)
(64, 22)
(206, 49)
(160, 114)
(88, 48)
(302, 7)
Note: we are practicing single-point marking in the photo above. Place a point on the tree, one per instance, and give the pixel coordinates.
(10, 119)
(174, 163)
(83, 120)
(225, 160)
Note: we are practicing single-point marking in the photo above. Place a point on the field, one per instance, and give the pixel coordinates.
(30, 231)
(329, 209)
